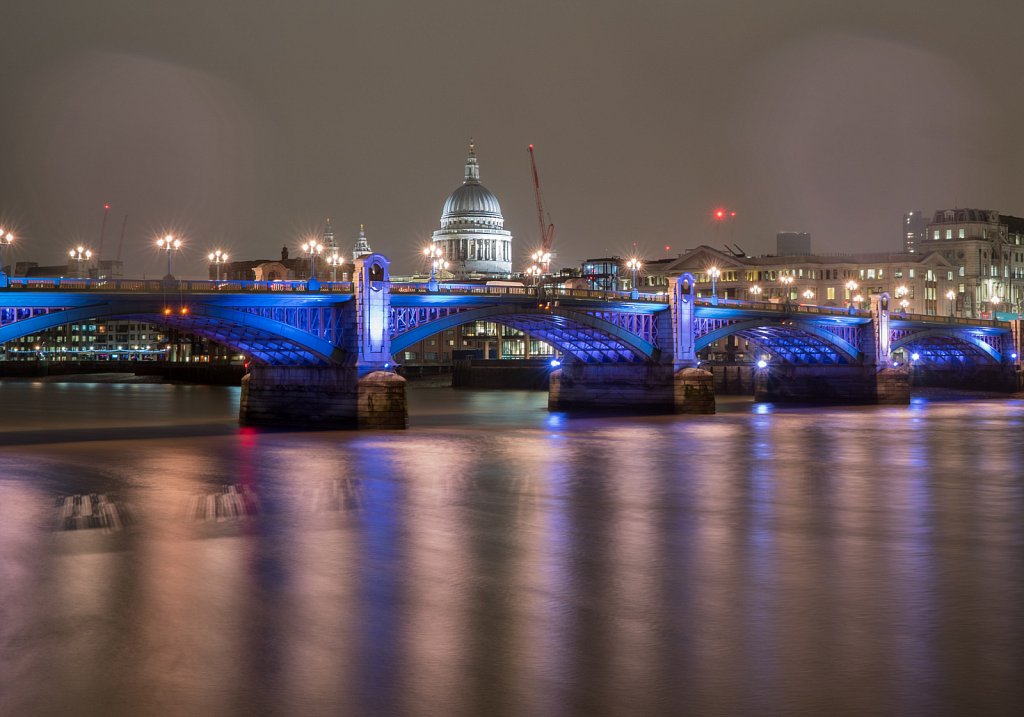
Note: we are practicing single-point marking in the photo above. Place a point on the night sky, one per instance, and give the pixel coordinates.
(242, 124)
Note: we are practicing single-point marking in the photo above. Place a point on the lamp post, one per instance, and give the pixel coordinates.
(6, 239)
(858, 299)
(714, 272)
(81, 254)
(808, 295)
(313, 248)
(951, 295)
(435, 255)
(851, 286)
(533, 272)
(542, 259)
(787, 281)
(996, 301)
(756, 290)
(634, 265)
(218, 257)
(335, 260)
(169, 244)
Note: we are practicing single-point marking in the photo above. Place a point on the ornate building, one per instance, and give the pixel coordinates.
(362, 246)
(472, 237)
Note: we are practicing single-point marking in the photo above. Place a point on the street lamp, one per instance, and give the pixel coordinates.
(335, 260)
(533, 272)
(81, 254)
(808, 295)
(543, 258)
(218, 257)
(435, 255)
(313, 248)
(6, 239)
(634, 265)
(787, 281)
(851, 286)
(169, 244)
(858, 299)
(951, 295)
(756, 290)
(714, 272)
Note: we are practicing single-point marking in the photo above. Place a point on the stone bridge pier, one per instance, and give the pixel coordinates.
(357, 388)
(669, 382)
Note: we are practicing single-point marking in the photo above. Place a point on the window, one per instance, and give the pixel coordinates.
(911, 274)
(949, 275)
(897, 273)
(871, 274)
(960, 270)
(949, 233)
(935, 235)
(830, 293)
(960, 233)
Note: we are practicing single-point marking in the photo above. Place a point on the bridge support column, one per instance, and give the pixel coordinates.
(844, 384)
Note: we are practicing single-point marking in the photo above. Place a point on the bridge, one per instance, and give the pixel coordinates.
(322, 352)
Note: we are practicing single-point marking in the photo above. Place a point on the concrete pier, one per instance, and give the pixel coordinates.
(631, 388)
(322, 397)
(849, 384)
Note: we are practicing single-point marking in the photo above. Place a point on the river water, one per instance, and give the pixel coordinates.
(494, 559)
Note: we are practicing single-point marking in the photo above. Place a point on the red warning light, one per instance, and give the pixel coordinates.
(668, 248)
(531, 146)
(719, 214)
(184, 309)
(732, 214)
(106, 206)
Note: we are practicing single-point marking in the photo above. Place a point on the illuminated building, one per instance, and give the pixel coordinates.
(472, 237)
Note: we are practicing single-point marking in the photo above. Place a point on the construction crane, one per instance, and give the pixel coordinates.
(547, 229)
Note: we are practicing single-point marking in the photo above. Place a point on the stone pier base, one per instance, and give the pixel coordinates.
(782, 383)
(627, 388)
(322, 397)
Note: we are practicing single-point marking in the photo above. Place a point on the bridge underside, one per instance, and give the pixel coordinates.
(583, 336)
(789, 343)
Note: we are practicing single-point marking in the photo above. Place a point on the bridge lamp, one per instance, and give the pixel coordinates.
(218, 257)
(433, 253)
(858, 298)
(915, 356)
(169, 244)
(543, 258)
(901, 291)
(335, 260)
(851, 286)
(313, 249)
(533, 272)
(6, 239)
(555, 363)
(904, 304)
(756, 290)
(634, 266)
(80, 254)
(808, 294)
(714, 272)
(761, 363)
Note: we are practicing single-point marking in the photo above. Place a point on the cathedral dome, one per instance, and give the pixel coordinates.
(472, 203)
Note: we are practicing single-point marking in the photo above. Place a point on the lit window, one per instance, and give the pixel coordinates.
(949, 233)
(960, 233)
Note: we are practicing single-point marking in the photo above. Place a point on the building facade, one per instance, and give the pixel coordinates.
(472, 237)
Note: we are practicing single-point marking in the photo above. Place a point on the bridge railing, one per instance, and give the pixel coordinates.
(783, 307)
(189, 285)
(897, 316)
(409, 287)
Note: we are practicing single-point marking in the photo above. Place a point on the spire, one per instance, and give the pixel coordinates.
(362, 246)
(472, 168)
(328, 238)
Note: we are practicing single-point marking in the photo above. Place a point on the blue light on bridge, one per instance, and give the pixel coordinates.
(555, 363)
(915, 356)
(762, 363)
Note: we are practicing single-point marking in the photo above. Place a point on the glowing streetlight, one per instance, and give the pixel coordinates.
(858, 299)
(634, 265)
(435, 255)
(218, 257)
(6, 239)
(756, 290)
(851, 286)
(81, 255)
(170, 244)
(335, 260)
(951, 295)
(533, 272)
(314, 249)
(808, 295)
(787, 281)
(543, 259)
(714, 272)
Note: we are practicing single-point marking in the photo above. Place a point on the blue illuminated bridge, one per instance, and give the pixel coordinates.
(322, 353)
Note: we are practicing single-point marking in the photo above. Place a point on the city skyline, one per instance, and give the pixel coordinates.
(243, 128)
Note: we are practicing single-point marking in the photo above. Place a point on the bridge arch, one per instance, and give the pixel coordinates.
(793, 340)
(264, 339)
(586, 337)
(944, 345)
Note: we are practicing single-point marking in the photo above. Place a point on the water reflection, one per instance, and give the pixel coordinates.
(494, 560)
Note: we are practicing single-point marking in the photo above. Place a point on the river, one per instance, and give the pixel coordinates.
(495, 559)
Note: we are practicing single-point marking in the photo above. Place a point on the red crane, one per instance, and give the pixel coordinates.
(547, 229)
